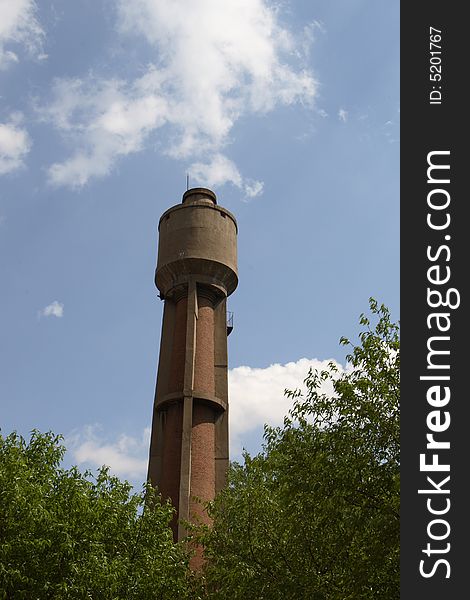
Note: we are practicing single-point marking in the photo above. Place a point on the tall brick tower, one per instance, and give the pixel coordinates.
(196, 271)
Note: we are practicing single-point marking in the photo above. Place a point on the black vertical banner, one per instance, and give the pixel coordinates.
(435, 247)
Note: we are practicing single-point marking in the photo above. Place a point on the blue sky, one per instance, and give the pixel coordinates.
(288, 111)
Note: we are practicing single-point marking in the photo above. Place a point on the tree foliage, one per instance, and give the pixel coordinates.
(316, 514)
(64, 534)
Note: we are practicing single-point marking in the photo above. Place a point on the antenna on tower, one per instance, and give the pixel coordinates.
(187, 181)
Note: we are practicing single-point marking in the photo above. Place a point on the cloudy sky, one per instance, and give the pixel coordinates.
(288, 110)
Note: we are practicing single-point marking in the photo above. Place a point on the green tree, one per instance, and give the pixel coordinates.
(64, 534)
(316, 514)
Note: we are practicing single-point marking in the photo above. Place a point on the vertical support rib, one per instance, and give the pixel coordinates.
(161, 388)
(221, 391)
(185, 471)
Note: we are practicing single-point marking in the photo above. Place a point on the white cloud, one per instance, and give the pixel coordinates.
(19, 26)
(217, 61)
(127, 456)
(253, 188)
(256, 395)
(15, 144)
(55, 309)
(343, 115)
(107, 119)
(220, 170)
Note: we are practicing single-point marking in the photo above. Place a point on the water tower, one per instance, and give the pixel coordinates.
(196, 272)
